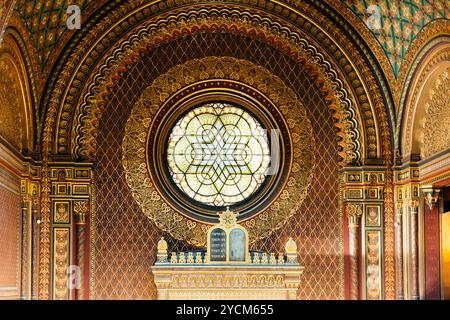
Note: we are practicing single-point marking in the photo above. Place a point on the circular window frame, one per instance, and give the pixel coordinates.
(234, 74)
(169, 116)
(257, 189)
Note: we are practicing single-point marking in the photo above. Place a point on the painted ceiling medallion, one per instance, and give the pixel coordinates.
(197, 141)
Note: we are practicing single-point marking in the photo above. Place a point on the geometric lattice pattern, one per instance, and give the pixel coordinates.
(9, 231)
(125, 239)
(396, 23)
(46, 22)
(218, 154)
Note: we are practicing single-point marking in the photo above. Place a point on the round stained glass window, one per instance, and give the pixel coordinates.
(218, 154)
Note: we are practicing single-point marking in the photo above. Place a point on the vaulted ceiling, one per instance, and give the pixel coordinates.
(400, 21)
(394, 32)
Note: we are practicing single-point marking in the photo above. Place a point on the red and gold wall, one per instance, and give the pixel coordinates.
(124, 239)
(10, 201)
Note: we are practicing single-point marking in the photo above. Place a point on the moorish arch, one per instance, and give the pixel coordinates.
(344, 108)
(74, 124)
(17, 138)
(423, 174)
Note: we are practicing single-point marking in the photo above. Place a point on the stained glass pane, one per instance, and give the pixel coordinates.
(218, 154)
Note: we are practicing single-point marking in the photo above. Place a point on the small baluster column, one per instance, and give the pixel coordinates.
(399, 250)
(354, 213)
(81, 209)
(413, 209)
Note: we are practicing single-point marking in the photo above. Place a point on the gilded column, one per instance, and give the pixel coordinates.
(81, 209)
(35, 218)
(354, 213)
(399, 251)
(26, 249)
(413, 206)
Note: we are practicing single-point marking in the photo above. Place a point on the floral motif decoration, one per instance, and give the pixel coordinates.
(153, 202)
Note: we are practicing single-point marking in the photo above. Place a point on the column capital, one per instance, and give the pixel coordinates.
(413, 204)
(431, 195)
(81, 209)
(354, 212)
(26, 200)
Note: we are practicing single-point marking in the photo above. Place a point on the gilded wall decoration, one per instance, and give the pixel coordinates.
(399, 22)
(11, 107)
(9, 236)
(51, 14)
(153, 202)
(375, 105)
(61, 263)
(431, 58)
(373, 265)
(431, 34)
(6, 8)
(408, 37)
(118, 220)
(436, 127)
(61, 212)
(373, 216)
(91, 109)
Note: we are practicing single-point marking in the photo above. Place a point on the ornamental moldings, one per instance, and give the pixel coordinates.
(87, 138)
(6, 8)
(405, 127)
(228, 281)
(431, 31)
(58, 92)
(436, 125)
(168, 29)
(10, 105)
(152, 201)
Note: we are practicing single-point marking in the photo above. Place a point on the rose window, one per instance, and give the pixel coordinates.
(218, 154)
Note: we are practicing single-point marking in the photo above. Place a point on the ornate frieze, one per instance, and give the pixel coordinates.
(61, 257)
(97, 110)
(373, 265)
(10, 105)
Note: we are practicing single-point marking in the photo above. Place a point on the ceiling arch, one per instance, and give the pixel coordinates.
(6, 8)
(345, 68)
(17, 117)
(432, 62)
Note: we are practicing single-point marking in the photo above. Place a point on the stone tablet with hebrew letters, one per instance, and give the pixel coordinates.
(218, 245)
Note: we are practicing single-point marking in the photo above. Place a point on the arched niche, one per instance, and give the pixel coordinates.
(16, 117)
(421, 100)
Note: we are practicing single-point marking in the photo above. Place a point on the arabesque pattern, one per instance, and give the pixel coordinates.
(125, 240)
(396, 23)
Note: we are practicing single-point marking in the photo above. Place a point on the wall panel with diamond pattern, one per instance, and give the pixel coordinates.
(9, 236)
(124, 240)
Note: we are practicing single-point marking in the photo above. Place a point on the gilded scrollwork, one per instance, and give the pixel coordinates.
(11, 109)
(153, 202)
(66, 92)
(436, 127)
(92, 106)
